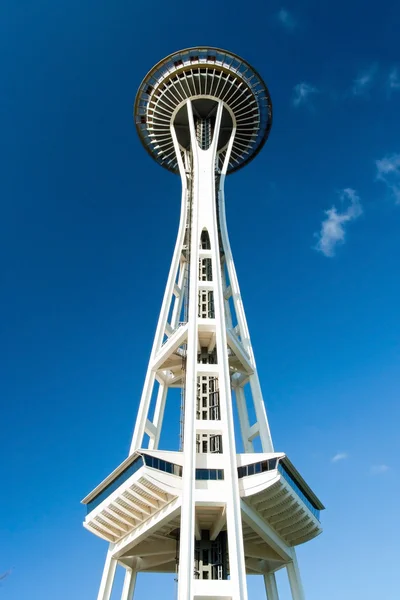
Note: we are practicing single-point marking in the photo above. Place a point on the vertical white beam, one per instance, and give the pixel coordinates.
(129, 584)
(265, 434)
(107, 579)
(186, 548)
(261, 413)
(233, 511)
(296, 585)
(137, 438)
(228, 315)
(140, 425)
(158, 415)
(176, 311)
(243, 419)
(270, 586)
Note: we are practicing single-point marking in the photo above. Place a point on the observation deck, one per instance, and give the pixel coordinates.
(204, 75)
(138, 507)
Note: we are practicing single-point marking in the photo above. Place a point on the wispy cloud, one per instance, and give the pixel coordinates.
(286, 19)
(388, 171)
(379, 469)
(339, 456)
(394, 79)
(333, 228)
(363, 82)
(302, 92)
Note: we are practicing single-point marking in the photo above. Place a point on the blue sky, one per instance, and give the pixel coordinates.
(87, 231)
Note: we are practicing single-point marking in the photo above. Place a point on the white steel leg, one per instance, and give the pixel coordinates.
(176, 311)
(270, 586)
(296, 585)
(107, 579)
(158, 416)
(259, 406)
(233, 511)
(186, 551)
(261, 413)
(129, 584)
(243, 419)
(144, 405)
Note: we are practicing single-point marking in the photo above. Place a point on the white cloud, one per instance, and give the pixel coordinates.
(302, 93)
(333, 230)
(286, 19)
(362, 84)
(379, 469)
(388, 171)
(339, 456)
(394, 79)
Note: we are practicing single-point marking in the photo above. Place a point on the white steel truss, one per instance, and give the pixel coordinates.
(197, 510)
(203, 210)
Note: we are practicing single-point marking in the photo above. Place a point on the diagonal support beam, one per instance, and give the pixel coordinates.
(261, 551)
(218, 524)
(156, 495)
(143, 531)
(152, 503)
(266, 532)
(239, 351)
(176, 339)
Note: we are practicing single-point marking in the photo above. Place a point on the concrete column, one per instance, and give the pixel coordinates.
(295, 580)
(129, 584)
(107, 579)
(270, 586)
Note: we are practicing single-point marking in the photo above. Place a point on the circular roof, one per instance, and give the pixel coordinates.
(200, 74)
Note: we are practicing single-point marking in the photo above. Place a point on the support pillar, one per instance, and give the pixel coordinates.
(270, 586)
(243, 418)
(107, 579)
(296, 585)
(129, 584)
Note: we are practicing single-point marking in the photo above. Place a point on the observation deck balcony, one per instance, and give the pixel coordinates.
(140, 489)
(277, 493)
(142, 499)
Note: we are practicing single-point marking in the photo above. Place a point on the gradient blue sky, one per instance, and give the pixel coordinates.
(87, 230)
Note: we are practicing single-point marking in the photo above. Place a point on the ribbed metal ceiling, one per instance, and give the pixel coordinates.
(201, 74)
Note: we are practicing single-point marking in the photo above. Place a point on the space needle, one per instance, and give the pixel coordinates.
(209, 512)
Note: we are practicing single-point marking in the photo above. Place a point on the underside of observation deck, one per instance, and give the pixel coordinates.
(138, 509)
(203, 75)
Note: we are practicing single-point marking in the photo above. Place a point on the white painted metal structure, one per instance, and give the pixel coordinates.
(207, 513)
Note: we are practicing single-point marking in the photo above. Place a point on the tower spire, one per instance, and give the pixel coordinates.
(209, 512)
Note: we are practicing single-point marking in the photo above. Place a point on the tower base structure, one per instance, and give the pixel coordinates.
(138, 510)
(207, 513)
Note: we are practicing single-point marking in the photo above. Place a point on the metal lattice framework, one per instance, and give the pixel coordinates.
(206, 73)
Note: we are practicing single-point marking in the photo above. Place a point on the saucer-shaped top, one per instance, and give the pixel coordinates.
(204, 75)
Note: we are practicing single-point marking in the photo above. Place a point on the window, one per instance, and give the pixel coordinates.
(205, 268)
(162, 465)
(216, 443)
(209, 474)
(113, 485)
(260, 467)
(298, 489)
(270, 465)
